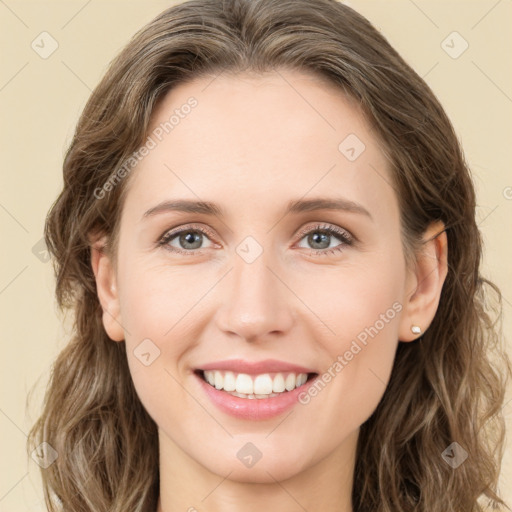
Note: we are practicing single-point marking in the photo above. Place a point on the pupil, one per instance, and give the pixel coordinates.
(315, 239)
(319, 238)
(191, 238)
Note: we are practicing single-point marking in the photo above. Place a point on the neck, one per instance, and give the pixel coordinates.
(186, 485)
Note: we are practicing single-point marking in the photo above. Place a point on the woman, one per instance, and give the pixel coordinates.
(267, 232)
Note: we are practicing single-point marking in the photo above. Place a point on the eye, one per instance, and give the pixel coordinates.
(187, 240)
(320, 238)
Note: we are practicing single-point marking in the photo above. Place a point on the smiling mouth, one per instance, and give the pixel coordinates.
(265, 385)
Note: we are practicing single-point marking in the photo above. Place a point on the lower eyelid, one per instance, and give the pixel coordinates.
(344, 238)
(342, 246)
(166, 239)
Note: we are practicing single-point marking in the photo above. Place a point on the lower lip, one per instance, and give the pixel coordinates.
(253, 408)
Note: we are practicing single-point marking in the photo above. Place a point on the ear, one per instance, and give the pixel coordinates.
(106, 285)
(425, 282)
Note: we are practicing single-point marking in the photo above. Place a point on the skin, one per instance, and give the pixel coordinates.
(251, 145)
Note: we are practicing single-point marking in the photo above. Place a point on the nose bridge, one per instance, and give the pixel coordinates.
(256, 302)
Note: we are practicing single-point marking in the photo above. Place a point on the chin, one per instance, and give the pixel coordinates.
(250, 465)
(261, 473)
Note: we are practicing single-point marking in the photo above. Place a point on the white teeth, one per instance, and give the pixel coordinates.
(219, 380)
(290, 382)
(263, 384)
(242, 395)
(229, 381)
(278, 384)
(244, 384)
(258, 386)
(210, 377)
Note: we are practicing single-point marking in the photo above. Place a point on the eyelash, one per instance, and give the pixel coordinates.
(346, 238)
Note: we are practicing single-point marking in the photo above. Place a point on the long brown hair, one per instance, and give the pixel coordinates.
(447, 387)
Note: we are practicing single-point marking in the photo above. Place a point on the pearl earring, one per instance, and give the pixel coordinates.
(416, 329)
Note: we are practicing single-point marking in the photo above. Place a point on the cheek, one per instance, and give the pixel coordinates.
(350, 299)
(360, 310)
(161, 317)
(354, 380)
(158, 302)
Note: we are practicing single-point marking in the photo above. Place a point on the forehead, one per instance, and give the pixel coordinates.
(253, 139)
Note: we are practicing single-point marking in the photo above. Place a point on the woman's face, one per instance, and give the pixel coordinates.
(285, 258)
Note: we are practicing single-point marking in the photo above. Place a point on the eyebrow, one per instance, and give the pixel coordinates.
(297, 206)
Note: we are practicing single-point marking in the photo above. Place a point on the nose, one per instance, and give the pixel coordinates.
(257, 305)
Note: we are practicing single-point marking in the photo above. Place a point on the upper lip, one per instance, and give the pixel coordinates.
(256, 367)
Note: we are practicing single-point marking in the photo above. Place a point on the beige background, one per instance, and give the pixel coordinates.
(41, 98)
